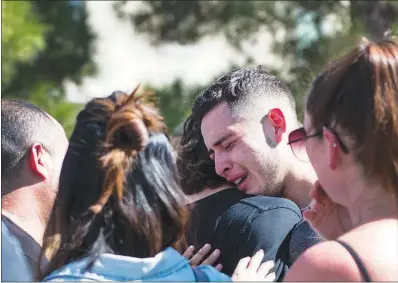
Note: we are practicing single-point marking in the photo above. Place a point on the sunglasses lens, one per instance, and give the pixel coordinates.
(297, 140)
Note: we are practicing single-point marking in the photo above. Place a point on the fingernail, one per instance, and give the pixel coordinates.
(261, 251)
(216, 252)
(207, 246)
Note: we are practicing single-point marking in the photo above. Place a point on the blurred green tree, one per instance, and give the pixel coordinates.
(22, 36)
(306, 34)
(174, 101)
(45, 43)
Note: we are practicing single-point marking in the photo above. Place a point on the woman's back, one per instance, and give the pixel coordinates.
(376, 245)
(119, 213)
(167, 265)
(371, 247)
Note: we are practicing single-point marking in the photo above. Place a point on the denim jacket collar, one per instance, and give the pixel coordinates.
(168, 265)
(109, 266)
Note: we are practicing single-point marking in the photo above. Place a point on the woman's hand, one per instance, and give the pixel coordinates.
(330, 220)
(197, 259)
(251, 269)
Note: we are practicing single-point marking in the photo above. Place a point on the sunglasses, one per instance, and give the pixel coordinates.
(297, 139)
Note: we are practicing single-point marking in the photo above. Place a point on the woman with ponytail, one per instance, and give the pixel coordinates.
(120, 213)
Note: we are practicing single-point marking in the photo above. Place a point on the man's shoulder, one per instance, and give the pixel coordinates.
(30, 248)
(260, 212)
(15, 268)
(264, 204)
(254, 223)
(301, 238)
(304, 235)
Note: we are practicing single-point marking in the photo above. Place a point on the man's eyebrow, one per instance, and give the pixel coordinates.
(218, 142)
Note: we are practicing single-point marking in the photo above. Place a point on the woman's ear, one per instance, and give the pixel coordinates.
(333, 148)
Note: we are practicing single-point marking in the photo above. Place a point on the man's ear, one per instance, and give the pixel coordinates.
(277, 120)
(39, 161)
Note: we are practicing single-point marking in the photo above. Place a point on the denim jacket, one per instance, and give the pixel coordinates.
(167, 265)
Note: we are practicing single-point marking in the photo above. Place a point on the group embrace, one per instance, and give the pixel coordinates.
(248, 194)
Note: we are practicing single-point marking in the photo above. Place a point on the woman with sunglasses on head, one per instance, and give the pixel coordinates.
(351, 136)
(120, 213)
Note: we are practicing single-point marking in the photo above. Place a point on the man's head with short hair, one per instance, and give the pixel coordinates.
(245, 117)
(30, 138)
(242, 90)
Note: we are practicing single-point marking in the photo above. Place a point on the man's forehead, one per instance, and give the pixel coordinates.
(220, 116)
(217, 123)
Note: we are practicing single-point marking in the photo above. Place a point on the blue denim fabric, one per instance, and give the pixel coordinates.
(168, 265)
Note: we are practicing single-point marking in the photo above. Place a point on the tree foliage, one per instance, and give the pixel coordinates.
(174, 101)
(44, 43)
(22, 36)
(299, 28)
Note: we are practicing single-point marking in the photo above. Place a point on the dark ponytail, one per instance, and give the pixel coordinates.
(119, 190)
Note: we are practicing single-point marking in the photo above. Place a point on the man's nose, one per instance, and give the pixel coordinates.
(222, 164)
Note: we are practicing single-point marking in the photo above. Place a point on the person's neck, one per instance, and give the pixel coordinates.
(298, 183)
(371, 204)
(27, 211)
(207, 192)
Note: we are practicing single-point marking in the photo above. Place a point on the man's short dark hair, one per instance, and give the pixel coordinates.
(245, 86)
(195, 167)
(22, 124)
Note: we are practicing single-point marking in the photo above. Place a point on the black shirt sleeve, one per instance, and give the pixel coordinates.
(302, 238)
(254, 223)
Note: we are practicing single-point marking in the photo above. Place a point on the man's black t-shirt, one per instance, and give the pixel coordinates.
(240, 224)
(206, 212)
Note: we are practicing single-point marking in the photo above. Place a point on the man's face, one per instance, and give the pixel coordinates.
(241, 153)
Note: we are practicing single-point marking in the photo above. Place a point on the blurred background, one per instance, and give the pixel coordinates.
(60, 54)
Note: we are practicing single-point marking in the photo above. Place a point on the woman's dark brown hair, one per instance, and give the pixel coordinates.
(119, 191)
(196, 169)
(357, 95)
